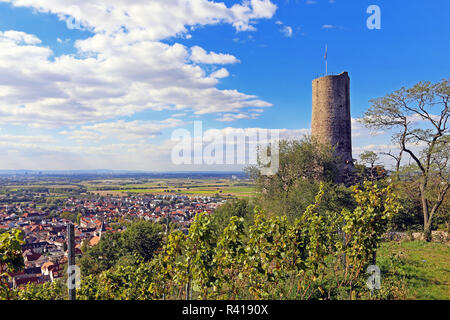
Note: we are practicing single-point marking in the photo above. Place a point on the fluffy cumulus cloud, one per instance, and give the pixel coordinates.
(152, 20)
(199, 55)
(221, 73)
(124, 67)
(18, 37)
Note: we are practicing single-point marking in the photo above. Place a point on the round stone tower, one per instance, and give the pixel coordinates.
(331, 120)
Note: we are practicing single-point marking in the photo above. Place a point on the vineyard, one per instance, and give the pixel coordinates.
(319, 256)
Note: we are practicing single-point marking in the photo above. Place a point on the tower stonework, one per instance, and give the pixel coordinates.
(331, 119)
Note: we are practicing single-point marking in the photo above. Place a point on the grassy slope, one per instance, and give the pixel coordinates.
(425, 265)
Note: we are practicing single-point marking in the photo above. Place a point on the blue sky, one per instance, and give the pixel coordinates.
(102, 97)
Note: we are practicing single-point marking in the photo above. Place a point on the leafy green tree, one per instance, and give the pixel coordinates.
(303, 165)
(143, 238)
(369, 158)
(79, 216)
(399, 111)
(72, 216)
(138, 242)
(104, 255)
(84, 246)
(241, 208)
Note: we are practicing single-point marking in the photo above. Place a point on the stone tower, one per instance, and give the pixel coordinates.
(331, 120)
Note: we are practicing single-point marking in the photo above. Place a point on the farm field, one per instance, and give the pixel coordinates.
(224, 187)
(207, 187)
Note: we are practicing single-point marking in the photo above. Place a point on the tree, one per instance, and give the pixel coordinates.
(370, 158)
(241, 208)
(72, 216)
(396, 156)
(303, 165)
(419, 117)
(138, 242)
(79, 216)
(102, 256)
(143, 238)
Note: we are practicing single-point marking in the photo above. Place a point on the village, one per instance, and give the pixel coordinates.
(45, 232)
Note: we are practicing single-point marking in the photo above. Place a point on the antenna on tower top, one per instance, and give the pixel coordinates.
(326, 59)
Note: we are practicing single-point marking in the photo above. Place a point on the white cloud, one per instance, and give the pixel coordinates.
(283, 133)
(179, 115)
(133, 154)
(359, 130)
(142, 156)
(41, 155)
(120, 80)
(257, 110)
(221, 73)
(18, 37)
(23, 139)
(122, 69)
(119, 72)
(228, 117)
(65, 41)
(199, 55)
(153, 20)
(287, 31)
(122, 130)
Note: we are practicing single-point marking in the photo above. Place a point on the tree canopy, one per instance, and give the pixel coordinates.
(418, 117)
